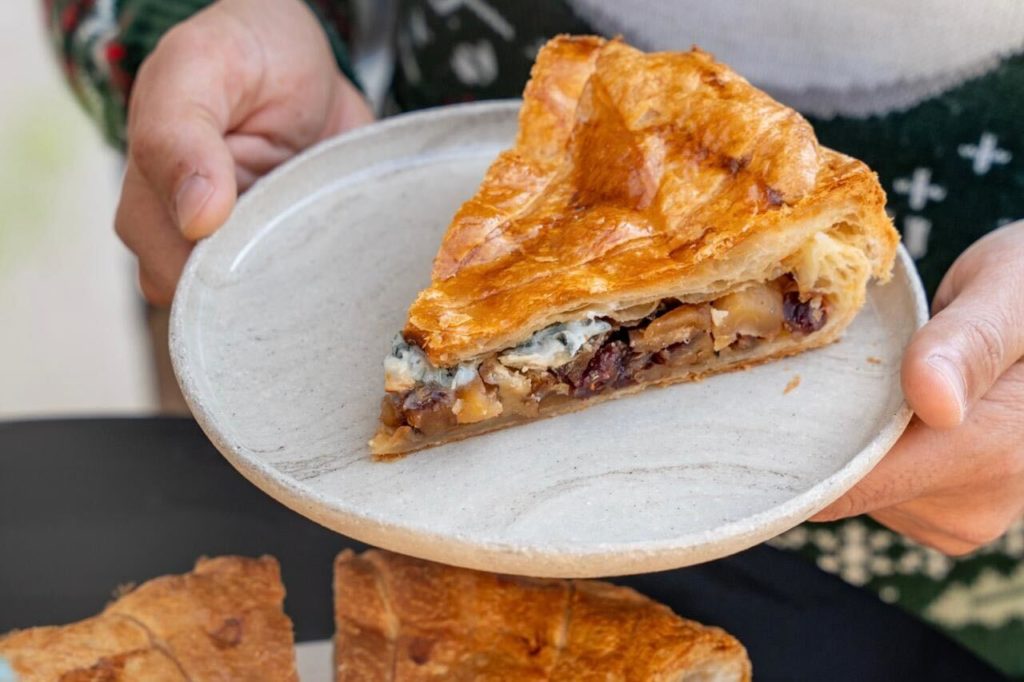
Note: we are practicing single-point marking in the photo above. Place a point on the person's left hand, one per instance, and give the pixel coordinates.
(955, 479)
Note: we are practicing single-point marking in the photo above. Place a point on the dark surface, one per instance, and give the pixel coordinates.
(86, 505)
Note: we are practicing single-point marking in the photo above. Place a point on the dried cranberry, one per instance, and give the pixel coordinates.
(573, 371)
(428, 408)
(606, 369)
(426, 396)
(800, 315)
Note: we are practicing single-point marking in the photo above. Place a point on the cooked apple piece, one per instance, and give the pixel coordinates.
(753, 311)
(474, 403)
(678, 325)
(514, 388)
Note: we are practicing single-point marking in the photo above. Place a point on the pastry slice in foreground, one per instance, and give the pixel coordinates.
(406, 620)
(221, 622)
(658, 220)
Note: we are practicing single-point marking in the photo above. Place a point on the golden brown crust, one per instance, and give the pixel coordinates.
(404, 619)
(672, 176)
(616, 633)
(47, 653)
(223, 621)
(520, 174)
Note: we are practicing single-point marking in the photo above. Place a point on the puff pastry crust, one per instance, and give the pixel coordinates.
(223, 621)
(408, 620)
(642, 182)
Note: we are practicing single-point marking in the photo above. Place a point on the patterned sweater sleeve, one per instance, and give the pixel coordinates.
(102, 43)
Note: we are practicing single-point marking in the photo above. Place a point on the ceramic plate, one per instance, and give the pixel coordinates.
(283, 317)
(315, 661)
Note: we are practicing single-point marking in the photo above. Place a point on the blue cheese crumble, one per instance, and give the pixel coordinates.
(408, 366)
(553, 346)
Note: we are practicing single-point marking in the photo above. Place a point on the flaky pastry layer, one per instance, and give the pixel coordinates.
(223, 621)
(408, 620)
(635, 177)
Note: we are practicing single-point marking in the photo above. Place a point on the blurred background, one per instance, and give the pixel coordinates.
(72, 329)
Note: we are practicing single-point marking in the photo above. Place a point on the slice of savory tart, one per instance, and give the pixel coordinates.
(658, 220)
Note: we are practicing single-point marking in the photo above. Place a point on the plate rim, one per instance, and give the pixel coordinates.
(617, 558)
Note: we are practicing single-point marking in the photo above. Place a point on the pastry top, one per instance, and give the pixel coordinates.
(223, 621)
(633, 177)
(47, 653)
(405, 619)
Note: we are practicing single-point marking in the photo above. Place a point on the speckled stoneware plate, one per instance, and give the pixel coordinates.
(282, 320)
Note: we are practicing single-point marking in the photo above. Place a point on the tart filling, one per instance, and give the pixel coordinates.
(584, 358)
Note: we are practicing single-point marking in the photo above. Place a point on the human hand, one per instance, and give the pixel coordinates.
(224, 98)
(955, 479)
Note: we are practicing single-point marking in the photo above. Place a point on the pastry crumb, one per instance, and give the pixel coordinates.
(793, 383)
(872, 360)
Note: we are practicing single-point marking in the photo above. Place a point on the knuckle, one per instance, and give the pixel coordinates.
(120, 227)
(841, 508)
(123, 226)
(187, 38)
(146, 144)
(854, 502)
(157, 152)
(153, 293)
(1002, 420)
(986, 337)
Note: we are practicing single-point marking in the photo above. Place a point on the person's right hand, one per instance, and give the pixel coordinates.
(224, 98)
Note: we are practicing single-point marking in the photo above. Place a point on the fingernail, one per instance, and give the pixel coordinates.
(954, 377)
(192, 196)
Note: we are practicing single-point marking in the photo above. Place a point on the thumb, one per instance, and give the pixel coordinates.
(954, 359)
(193, 173)
(180, 110)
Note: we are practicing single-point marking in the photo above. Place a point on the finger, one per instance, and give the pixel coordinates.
(959, 521)
(146, 229)
(954, 359)
(254, 156)
(263, 146)
(954, 491)
(256, 153)
(182, 105)
(968, 481)
(920, 461)
(348, 110)
(951, 525)
(911, 526)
